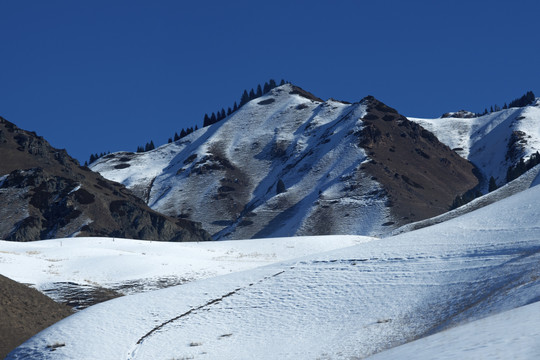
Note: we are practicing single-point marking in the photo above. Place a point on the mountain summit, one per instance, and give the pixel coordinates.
(288, 163)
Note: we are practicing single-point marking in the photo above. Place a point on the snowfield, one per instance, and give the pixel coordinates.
(485, 140)
(131, 266)
(346, 303)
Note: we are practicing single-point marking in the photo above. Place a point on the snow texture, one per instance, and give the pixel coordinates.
(345, 303)
(485, 140)
(225, 174)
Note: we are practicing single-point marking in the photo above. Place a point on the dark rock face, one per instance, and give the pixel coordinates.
(46, 194)
(421, 175)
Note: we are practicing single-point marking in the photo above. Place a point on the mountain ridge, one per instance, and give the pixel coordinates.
(315, 149)
(51, 195)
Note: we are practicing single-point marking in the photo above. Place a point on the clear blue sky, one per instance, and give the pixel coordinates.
(94, 76)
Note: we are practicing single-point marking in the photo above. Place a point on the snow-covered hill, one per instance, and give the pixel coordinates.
(227, 174)
(513, 334)
(342, 304)
(76, 268)
(492, 142)
(289, 164)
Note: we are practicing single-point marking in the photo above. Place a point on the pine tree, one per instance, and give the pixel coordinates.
(259, 91)
(266, 88)
(272, 83)
(176, 137)
(235, 107)
(223, 116)
(149, 146)
(170, 140)
(182, 133)
(213, 118)
(251, 94)
(492, 184)
(245, 98)
(282, 82)
(196, 128)
(229, 111)
(206, 120)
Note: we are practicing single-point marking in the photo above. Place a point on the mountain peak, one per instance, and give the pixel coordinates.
(306, 94)
(335, 160)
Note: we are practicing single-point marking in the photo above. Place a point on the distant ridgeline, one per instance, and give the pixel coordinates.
(208, 120)
(217, 116)
(523, 101)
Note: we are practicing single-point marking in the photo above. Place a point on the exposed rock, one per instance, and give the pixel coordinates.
(318, 149)
(461, 114)
(421, 175)
(48, 195)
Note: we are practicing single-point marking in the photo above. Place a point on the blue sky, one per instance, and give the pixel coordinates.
(95, 76)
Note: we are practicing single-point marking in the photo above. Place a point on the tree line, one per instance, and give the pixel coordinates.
(244, 99)
(94, 157)
(219, 115)
(523, 101)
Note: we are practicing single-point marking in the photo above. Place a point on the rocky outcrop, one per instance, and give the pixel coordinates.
(341, 168)
(48, 195)
(421, 175)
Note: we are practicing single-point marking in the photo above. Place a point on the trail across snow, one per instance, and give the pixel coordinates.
(341, 304)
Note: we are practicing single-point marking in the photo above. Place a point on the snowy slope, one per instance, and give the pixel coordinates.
(226, 174)
(347, 303)
(131, 266)
(486, 140)
(513, 334)
(528, 179)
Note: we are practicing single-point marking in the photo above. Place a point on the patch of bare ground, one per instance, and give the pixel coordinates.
(421, 175)
(23, 313)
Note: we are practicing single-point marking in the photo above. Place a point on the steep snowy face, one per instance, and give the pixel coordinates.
(492, 142)
(290, 164)
(284, 164)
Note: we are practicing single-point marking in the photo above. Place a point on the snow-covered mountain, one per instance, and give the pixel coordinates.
(340, 304)
(492, 142)
(288, 163)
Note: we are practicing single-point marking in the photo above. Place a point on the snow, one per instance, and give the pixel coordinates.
(134, 265)
(529, 179)
(513, 334)
(484, 140)
(307, 144)
(346, 303)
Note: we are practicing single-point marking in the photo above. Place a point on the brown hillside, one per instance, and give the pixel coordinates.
(421, 175)
(23, 313)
